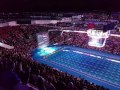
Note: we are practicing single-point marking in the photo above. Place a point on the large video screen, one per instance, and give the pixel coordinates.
(97, 38)
(42, 39)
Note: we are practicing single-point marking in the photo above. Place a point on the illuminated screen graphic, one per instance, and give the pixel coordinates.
(97, 38)
(44, 49)
(42, 39)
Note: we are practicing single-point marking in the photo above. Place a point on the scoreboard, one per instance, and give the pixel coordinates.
(98, 33)
(97, 38)
(42, 39)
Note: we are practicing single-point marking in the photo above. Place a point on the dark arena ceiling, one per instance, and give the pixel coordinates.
(58, 5)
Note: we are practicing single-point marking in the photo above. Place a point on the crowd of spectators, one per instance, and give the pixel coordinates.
(90, 20)
(18, 71)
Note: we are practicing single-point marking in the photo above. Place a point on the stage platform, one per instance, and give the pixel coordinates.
(95, 66)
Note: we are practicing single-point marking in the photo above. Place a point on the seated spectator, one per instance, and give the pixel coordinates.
(41, 83)
(8, 78)
(70, 86)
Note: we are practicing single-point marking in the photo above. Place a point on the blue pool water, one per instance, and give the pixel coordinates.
(45, 51)
(95, 66)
